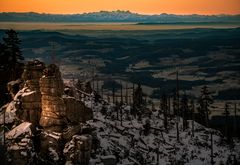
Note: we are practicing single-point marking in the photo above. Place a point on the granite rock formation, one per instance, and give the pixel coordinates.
(76, 111)
(41, 102)
(31, 102)
(20, 146)
(78, 150)
(53, 107)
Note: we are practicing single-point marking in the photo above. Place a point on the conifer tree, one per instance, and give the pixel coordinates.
(146, 127)
(184, 111)
(226, 126)
(205, 102)
(12, 54)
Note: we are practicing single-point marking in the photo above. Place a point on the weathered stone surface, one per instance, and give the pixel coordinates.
(51, 146)
(14, 86)
(47, 121)
(33, 84)
(76, 110)
(31, 107)
(51, 91)
(28, 105)
(34, 65)
(30, 96)
(78, 150)
(34, 116)
(73, 130)
(19, 144)
(41, 101)
(53, 112)
(32, 73)
(52, 70)
(53, 106)
(52, 82)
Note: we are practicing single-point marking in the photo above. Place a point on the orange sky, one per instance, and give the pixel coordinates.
(140, 6)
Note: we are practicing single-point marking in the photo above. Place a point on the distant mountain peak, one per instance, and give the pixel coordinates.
(114, 16)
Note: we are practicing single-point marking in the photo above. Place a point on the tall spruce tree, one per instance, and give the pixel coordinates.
(205, 102)
(226, 126)
(12, 54)
(184, 111)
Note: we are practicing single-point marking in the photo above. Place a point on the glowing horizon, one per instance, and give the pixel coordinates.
(182, 7)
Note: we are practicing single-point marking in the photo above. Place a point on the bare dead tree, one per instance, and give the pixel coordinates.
(126, 95)
(177, 106)
(192, 116)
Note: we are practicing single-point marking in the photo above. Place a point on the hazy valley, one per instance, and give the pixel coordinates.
(202, 56)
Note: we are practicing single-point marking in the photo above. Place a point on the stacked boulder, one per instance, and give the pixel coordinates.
(32, 73)
(78, 150)
(53, 106)
(40, 101)
(53, 115)
(31, 100)
(20, 145)
(76, 111)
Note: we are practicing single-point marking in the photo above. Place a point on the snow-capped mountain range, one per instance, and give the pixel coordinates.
(115, 16)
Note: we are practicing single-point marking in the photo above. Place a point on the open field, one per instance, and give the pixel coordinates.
(109, 26)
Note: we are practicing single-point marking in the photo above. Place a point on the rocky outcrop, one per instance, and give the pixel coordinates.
(20, 145)
(31, 97)
(13, 87)
(78, 150)
(76, 111)
(29, 108)
(33, 71)
(63, 118)
(51, 146)
(53, 107)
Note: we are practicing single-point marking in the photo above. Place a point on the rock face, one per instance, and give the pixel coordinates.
(78, 150)
(76, 111)
(51, 146)
(20, 145)
(31, 100)
(41, 102)
(53, 107)
(32, 73)
(30, 106)
(13, 87)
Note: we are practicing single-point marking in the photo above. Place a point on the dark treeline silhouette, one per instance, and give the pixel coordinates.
(11, 62)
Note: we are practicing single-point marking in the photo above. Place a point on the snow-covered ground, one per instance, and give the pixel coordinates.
(128, 144)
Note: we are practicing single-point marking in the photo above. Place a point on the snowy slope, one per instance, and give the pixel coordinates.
(130, 146)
